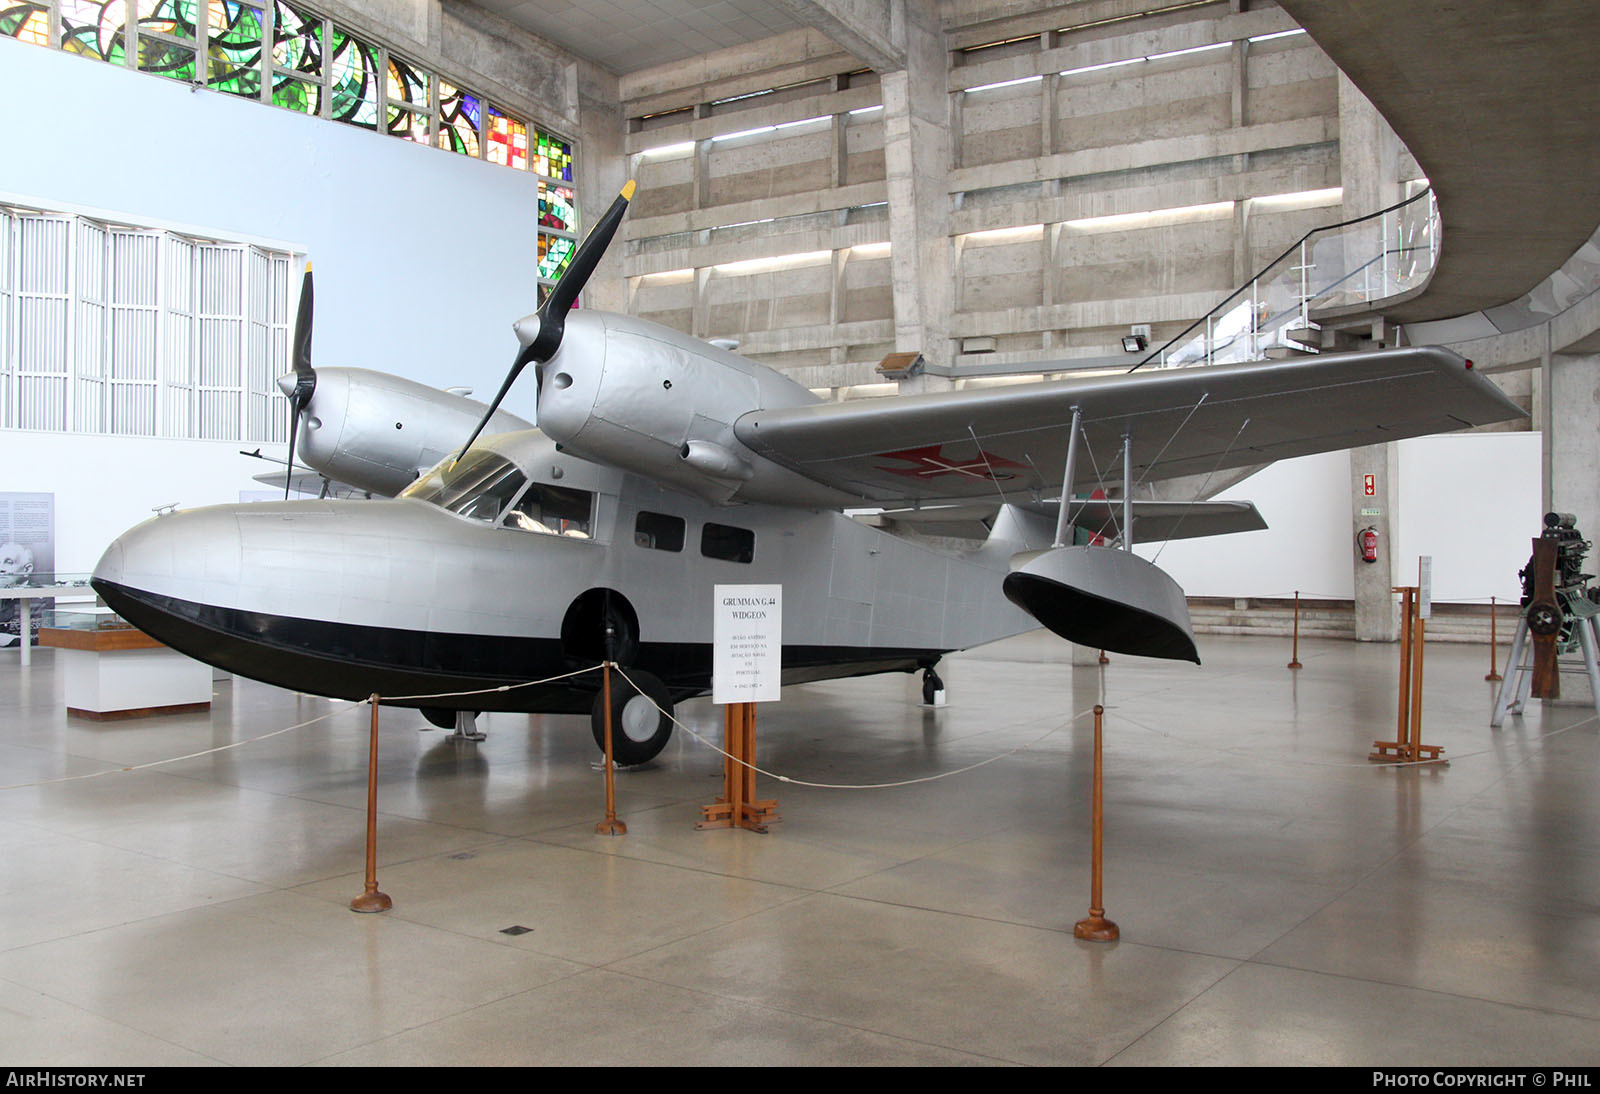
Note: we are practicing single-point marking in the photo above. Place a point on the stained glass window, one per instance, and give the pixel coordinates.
(555, 207)
(460, 115)
(313, 66)
(508, 141)
(296, 40)
(167, 32)
(26, 23)
(407, 90)
(234, 47)
(91, 28)
(552, 156)
(554, 254)
(354, 66)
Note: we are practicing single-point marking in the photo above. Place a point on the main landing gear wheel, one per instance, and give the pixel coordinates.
(639, 731)
(931, 686)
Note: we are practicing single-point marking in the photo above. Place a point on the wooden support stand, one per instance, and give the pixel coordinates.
(738, 807)
(1407, 746)
(371, 899)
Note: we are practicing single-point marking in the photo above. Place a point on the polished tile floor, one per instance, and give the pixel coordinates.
(1281, 900)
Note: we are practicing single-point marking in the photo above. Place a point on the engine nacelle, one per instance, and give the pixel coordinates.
(638, 396)
(376, 432)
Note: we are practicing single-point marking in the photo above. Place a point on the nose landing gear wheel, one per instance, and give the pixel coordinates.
(639, 731)
(932, 687)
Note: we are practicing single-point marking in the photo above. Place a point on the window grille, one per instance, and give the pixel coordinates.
(107, 328)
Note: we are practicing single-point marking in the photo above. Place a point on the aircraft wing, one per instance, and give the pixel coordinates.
(1012, 441)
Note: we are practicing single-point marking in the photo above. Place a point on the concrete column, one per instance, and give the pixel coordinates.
(1574, 458)
(699, 319)
(602, 169)
(1377, 613)
(1545, 422)
(840, 155)
(1369, 154)
(917, 158)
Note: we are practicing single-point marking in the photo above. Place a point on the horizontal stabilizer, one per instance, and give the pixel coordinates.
(1152, 520)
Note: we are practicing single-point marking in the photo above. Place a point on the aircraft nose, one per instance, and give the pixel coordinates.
(177, 556)
(286, 384)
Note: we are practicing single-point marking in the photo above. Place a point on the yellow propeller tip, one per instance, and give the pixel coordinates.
(627, 191)
(308, 267)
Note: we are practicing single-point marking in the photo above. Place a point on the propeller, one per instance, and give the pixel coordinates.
(540, 333)
(298, 386)
(1545, 618)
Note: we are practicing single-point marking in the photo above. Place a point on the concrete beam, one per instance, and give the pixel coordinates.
(704, 127)
(1169, 195)
(866, 28)
(1078, 54)
(743, 212)
(700, 254)
(1298, 133)
(779, 61)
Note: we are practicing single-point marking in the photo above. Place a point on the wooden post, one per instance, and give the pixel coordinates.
(1294, 656)
(371, 900)
(738, 806)
(1096, 928)
(1407, 745)
(611, 826)
(1494, 642)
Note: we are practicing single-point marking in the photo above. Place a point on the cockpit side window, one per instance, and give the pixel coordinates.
(477, 486)
(553, 511)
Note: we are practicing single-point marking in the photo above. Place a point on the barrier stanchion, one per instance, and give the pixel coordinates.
(371, 900)
(611, 826)
(1096, 928)
(1494, 642)
(1294, 656)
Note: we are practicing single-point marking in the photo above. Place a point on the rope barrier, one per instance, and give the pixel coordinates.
(354, 703)
(847, 786)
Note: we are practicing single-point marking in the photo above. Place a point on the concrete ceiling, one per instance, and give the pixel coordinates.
(1500, 104)
(625, 36)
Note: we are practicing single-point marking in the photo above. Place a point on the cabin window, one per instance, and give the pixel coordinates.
(658, 531)
(728, 543)
(479, 485)
(552, 511)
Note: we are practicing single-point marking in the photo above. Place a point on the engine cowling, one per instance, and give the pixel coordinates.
(638, 396)
(376, 432)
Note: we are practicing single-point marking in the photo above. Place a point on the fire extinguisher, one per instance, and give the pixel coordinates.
(1367, 544)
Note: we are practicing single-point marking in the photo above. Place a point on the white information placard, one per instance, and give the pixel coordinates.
(747, 644)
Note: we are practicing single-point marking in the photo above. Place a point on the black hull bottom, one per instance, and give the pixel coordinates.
(353, 661)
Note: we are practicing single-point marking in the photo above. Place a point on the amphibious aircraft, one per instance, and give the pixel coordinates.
(663, 465)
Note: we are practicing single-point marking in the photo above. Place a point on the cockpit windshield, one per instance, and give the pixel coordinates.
(480, 485)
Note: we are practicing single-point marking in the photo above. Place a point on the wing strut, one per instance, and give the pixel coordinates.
(1063, 518)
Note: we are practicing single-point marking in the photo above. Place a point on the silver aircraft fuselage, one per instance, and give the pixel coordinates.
(407, 597)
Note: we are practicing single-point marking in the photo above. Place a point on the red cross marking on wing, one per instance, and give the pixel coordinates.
(930, 462)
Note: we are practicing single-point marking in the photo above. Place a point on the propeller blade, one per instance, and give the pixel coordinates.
(553, 316)
(305, 377)
(302, 327)
(294, 422)
(553, 312)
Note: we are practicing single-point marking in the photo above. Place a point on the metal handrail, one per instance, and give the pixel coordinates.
(1298, 248)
